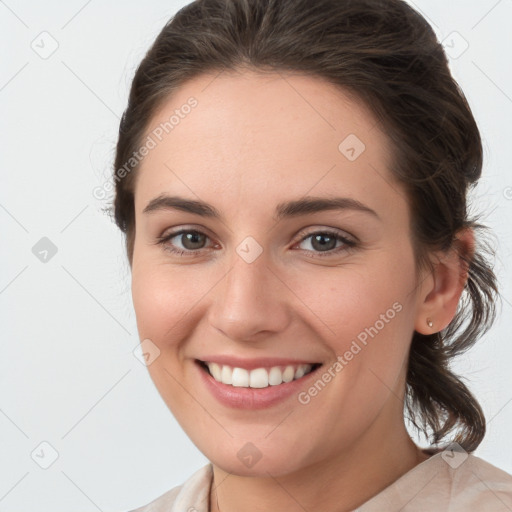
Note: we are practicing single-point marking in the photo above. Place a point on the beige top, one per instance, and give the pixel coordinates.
(456, 483)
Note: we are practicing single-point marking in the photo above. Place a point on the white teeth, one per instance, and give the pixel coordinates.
(288, 374)
(216, 371)
(240, 378)
(259, 377)
(275, 376)
(300, 372)
(226, 375)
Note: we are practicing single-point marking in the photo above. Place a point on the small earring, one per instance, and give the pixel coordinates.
(430, 323)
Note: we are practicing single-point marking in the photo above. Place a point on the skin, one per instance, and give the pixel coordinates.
(255, 140)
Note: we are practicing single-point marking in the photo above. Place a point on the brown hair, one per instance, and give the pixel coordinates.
(385, 53)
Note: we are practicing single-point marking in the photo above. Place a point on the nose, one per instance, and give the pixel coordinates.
(251, 302)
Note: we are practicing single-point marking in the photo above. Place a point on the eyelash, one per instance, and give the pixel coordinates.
(348, 244)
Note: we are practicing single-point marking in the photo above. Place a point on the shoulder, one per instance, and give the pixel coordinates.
(191, 496)
(478, 485)
(163, 502)
(449, 481)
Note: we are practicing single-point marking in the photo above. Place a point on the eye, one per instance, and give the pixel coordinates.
(191, 240)
(324, 243)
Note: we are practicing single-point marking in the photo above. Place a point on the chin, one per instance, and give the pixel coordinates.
(257, 459)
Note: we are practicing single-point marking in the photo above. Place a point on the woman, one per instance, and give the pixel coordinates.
(291, 177)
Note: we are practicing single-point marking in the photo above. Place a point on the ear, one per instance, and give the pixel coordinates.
(441, 288)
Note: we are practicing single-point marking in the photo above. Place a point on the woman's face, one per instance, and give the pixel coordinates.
(269, 277)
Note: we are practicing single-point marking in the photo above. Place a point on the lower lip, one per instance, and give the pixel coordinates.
(253, 398)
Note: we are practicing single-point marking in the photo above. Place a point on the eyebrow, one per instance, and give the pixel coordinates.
(288, 209)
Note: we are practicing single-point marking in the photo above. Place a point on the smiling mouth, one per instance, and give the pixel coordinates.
(259, 377)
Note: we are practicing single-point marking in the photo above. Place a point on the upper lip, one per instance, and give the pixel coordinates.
(258, 362)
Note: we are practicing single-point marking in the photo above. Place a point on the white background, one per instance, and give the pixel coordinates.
(67, 372)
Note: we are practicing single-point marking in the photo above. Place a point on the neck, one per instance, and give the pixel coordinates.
(342, 483)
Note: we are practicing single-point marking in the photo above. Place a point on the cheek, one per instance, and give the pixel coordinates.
(167, 300)
(167, 308)
(340, 304)
(353, 302)
(150, 301)
(366, 318)
(370, 318)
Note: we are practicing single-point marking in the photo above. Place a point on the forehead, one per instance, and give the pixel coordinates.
(242, 135)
